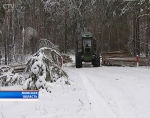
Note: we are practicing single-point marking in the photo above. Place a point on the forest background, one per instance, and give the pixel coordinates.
(27, 25)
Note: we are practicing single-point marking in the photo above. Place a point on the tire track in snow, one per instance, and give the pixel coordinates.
(98, 105)
(108, 98)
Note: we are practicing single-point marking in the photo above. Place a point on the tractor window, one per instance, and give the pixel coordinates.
(87, 42)
(87, 50)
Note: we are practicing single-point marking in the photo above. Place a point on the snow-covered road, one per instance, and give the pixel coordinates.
(98, 105)
(117, 92)
(96, 92)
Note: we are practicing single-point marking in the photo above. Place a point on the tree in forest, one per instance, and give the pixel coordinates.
(31, 39)
(2, 12)
(44, 68)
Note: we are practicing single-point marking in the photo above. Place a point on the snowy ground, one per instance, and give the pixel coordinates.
(118, 92)
(102, 92)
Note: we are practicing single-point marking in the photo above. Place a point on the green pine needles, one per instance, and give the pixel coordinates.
(43, 68)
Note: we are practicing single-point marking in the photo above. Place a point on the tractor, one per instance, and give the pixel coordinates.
(86, 51)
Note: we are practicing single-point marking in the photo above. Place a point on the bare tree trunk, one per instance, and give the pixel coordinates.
(65, 18)
(110, 44)
(40, 20)
(22, 45)
(137, 37)
(5, 38)
(8, 38)
(147, 30)
(13, 36)
(147, 41)
(101, 39)
(134, 34)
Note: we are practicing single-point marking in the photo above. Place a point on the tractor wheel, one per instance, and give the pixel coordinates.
(96, 61)
(78, 61)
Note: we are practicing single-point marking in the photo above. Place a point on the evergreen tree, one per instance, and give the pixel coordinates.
(44, 68)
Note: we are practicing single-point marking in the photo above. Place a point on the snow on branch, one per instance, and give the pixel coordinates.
(141, 16)
(44, 68)
(46, 42)
(28, 33)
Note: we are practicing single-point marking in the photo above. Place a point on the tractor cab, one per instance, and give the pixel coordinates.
(87, 47)
(86, 51)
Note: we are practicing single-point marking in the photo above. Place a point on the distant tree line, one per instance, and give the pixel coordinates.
(115, 24)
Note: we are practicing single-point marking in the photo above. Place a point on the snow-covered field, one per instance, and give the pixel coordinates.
(102, 92)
